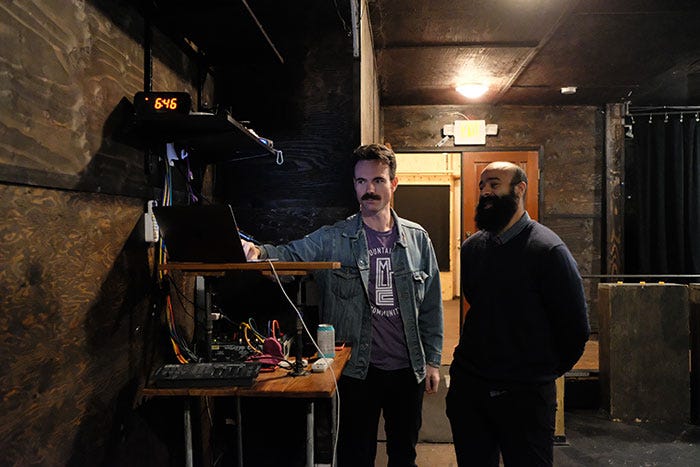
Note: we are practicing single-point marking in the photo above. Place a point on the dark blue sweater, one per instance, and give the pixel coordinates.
(527, 321)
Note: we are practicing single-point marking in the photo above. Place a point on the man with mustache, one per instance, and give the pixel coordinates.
(386, 302)
(527, 324)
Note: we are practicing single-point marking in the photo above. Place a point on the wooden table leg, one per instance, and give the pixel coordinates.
(188, 433)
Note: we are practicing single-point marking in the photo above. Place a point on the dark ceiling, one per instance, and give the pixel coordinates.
(643, 51)
(646, 52)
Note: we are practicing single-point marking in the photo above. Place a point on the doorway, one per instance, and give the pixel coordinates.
(459, 172)
(472, 165)
(429, 192)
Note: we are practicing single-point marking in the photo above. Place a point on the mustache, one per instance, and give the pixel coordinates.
(371, 196)
(487, 201)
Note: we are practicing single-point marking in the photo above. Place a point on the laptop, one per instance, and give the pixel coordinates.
(200, 234)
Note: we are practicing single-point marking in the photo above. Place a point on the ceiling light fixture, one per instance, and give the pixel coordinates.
(472, 91)
(568, 90)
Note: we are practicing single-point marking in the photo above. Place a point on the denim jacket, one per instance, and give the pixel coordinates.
(344, 300)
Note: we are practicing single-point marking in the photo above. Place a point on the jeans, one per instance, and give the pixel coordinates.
(393, 393)
(518, 421)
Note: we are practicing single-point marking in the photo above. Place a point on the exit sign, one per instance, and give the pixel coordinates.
(470, 132)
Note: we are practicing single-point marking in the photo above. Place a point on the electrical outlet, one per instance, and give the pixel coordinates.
(151, 230)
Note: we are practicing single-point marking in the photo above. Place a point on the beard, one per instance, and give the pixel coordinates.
(494, 218)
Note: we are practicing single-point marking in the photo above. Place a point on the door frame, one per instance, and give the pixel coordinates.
(470, 184)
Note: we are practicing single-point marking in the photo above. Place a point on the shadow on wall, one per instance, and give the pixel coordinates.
(121, 165)
(124, 340)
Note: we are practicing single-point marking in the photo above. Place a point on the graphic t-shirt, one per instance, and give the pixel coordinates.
(389, 350)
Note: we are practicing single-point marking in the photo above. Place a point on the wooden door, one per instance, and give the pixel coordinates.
(472, 165)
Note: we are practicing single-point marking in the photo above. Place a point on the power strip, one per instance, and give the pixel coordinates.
(321, 365)
(151, 230)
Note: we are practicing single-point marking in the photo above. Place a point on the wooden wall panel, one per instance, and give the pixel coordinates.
(69, 75)
(80, 321)
(308, 108)
(73, 295)
(79, 318)
(614, 188)
(571, 139)
(650, 385)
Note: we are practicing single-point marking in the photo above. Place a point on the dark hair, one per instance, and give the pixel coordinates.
(377, 152)
(519, 175)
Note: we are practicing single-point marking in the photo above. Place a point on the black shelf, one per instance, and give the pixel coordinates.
(212, 137)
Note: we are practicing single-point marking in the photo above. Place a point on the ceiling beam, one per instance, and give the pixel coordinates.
(453, 45)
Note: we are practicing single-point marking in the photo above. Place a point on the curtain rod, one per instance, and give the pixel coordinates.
(662, 110)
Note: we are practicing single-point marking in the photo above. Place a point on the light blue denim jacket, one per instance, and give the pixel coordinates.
(344, 298)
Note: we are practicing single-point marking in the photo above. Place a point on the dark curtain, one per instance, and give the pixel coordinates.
(662, 195)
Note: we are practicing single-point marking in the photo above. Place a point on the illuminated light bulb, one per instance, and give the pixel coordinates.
(472, 90)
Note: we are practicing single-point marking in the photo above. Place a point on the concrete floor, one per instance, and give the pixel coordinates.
(592, 438)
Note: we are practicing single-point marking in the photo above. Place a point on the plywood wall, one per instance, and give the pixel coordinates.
(74, 310)
(79, 316)
(308, 107)
(69, 74)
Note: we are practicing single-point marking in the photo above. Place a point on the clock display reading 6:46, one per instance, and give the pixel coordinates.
(163, 103)
(156, 102)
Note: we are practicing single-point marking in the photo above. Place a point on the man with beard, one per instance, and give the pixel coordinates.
(386, 302)
(527, 324)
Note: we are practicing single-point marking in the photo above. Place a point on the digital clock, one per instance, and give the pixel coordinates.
(159, 103)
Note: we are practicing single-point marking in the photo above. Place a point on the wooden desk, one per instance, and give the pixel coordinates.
(268, 384)
(277, 383)
(273, 384)
(284, 268)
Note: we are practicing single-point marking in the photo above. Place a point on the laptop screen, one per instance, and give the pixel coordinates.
(200, 234)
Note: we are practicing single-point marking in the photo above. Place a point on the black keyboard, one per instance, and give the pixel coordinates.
(206, 375)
